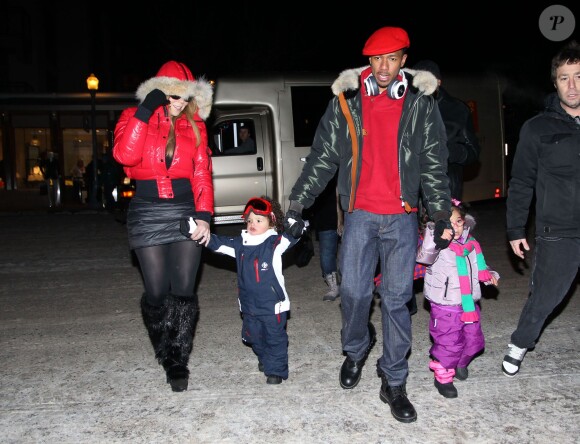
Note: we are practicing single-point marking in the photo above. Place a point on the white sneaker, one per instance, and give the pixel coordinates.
(513, 359)
(333, 287)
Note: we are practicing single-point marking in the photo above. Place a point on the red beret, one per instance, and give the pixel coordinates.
(386, 40)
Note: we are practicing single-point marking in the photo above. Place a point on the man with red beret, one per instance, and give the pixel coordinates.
(383, 133)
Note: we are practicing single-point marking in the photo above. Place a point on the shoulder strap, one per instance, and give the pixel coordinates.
(350, 122)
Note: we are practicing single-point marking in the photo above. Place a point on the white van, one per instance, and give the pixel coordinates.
(282, 113)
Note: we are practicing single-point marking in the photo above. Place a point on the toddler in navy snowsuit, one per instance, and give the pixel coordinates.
(262, 296)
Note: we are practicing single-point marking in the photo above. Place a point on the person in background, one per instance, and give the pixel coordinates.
(384, 135)
(90, 180)
(162, 145)
(451, 285)
(78, 178)
(328, 220)
(262, 295)
(51, 172)
(462, 142)
(246, 144)
(546, 170)
(110, 178)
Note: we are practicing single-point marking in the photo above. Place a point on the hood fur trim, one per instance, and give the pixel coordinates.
(348, 79)
(470, 222)
(200, 89)
(467, 228)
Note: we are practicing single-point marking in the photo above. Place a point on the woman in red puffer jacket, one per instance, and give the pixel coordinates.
(162, 144)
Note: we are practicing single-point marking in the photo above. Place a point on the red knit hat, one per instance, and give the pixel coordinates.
(175, 78)
(386, 40)
(176, 70)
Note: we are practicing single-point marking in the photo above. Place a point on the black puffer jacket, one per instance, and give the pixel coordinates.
(422, 148)
(547, 163)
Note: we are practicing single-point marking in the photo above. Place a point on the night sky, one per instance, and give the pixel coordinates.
(125, 43)
(216, 40)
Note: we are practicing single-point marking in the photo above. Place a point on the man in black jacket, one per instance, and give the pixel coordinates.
(547, 165)
(462, 142)
(384, 135)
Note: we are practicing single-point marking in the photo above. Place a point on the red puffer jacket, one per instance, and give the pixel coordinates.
(140, 148)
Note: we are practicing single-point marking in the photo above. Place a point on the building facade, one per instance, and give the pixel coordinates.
(36, 126)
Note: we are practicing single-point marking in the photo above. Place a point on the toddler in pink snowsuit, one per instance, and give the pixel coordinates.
(452, 287)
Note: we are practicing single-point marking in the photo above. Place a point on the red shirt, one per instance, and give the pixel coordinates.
(379, 188)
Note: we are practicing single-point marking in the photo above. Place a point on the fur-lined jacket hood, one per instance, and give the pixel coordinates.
(348, 79)
(174, 78)
(468, 227)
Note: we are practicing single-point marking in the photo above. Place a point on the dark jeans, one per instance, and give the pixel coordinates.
(556, 263)
(392, 239)
(328, 243)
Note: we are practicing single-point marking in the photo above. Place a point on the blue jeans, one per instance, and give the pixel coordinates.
(392, 239)
(328, 243)
(556, 263)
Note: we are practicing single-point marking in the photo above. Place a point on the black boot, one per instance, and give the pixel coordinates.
(351, 370)
(154, 320)
(176, 345)
(448, 389)
(396, 396)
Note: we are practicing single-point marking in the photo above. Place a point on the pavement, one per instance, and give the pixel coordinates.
(77, 366)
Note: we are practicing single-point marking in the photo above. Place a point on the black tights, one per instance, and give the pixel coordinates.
(169, 268)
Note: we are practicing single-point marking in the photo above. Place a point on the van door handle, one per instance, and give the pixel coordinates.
(260, 163)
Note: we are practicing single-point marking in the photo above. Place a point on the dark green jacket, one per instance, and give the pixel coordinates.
(422, 148)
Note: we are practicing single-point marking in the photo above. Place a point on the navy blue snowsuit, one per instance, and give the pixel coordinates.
(262, 296)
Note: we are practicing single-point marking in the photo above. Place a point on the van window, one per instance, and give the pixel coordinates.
(308, 106)
(232, 138)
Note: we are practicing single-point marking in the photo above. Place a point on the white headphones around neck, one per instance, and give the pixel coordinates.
(396, 89)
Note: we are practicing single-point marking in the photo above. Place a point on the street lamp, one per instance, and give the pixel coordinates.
(93, 86)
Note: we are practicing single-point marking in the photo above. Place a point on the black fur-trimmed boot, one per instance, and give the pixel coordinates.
(154, 320)
(176, 345)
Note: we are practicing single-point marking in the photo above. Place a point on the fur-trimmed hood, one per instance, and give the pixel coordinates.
(468, 227)
(470, 222)
(174, 78)
(348, 79)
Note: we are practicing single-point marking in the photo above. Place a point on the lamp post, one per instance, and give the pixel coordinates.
(93, 86)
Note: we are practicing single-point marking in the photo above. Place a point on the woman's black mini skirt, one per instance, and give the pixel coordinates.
(156, 222)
